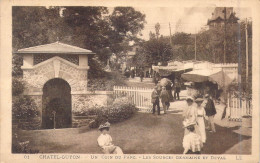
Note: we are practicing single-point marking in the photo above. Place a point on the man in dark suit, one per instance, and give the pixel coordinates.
(177, 89)
(155, 100)
(165, 98)
(210, 112)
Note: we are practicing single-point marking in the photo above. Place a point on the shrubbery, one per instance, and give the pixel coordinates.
(119, 111)
(23, 107)
(17, 86)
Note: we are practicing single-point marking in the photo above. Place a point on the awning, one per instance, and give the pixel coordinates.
(216, 76)
(166, 71)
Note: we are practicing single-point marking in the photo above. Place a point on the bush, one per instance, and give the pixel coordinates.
(119, 111)
(17, 86)
(23, 107)
(83, 111)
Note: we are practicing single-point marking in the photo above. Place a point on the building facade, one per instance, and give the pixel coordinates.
(220, 14)
(56, 78)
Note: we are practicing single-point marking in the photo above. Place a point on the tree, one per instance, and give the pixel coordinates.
(127, 23)
(87, 27)
(210, 47)
(157, 30)
(33, 26)
(153, 51)
(183, 46)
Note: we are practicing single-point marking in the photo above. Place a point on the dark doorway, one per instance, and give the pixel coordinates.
(56, 102)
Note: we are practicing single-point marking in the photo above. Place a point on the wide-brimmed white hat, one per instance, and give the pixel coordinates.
(189, 98)
(199, 100)
(187, 123)
(105, 125)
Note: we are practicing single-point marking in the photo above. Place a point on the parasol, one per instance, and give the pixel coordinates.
(165, 81)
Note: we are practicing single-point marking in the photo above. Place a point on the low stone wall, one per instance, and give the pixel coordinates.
(87, 101)
(80, 102)
(90, 100)
(80, 121)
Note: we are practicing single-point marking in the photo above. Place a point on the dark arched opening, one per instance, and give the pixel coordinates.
(56, 101)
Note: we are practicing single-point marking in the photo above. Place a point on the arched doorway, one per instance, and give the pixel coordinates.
(56, 102)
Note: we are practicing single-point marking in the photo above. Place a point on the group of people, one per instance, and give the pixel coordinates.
(195, 123)
(158, 94)
(138, 72)
(165, 95)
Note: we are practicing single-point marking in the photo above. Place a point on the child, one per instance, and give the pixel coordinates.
(192, 143)
(105, 141)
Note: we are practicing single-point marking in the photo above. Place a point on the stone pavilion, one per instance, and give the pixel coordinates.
(56, 77)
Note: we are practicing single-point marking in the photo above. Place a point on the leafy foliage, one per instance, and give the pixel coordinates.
(119, 111)
(92, 28)
(24, 107)
(153, 51)
(17, 86)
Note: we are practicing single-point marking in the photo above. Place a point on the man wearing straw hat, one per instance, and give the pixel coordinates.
(105, 141)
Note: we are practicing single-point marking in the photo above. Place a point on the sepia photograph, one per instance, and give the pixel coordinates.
(129, 82)
(124, 80)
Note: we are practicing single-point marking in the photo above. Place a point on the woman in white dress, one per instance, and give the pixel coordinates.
(189, 113)
(105, 141)
(200, 116)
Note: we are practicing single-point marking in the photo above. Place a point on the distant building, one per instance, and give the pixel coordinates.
(218, 17)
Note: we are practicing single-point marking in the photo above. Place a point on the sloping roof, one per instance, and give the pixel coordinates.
(219, 14)
(54, 48)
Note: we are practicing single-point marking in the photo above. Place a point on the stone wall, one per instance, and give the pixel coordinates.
(85, 102)
(79, 102)
(90, 100)
(56, 67)
(37, 75)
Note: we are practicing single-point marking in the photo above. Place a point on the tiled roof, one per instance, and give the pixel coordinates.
(54, 48)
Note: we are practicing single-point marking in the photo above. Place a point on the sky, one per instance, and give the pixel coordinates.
(189, 20)
(179, 19)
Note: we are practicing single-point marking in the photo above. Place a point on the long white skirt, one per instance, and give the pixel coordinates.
(201, 128)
